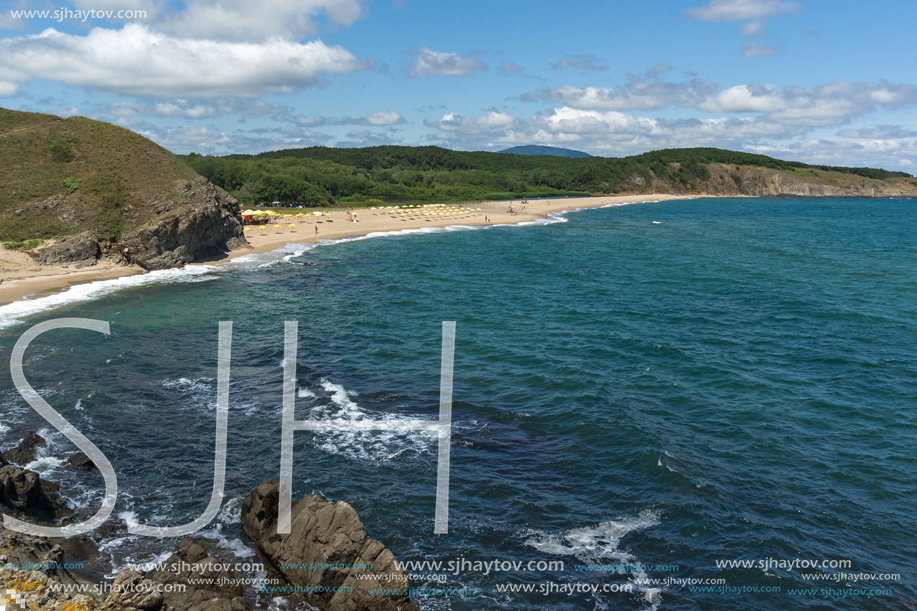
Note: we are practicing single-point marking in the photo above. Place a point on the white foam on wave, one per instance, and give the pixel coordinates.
(202, 391)
(230, 514)
(337, 403)
(401, 232)
(600, 544)
(13, 313)
(44, 466)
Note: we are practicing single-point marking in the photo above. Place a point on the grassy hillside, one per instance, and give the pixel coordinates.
(64, 176)
(323, 176)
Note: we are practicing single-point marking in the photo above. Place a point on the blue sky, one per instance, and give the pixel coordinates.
(818, 81)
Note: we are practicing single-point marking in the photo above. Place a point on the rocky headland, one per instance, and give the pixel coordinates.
(315, 566)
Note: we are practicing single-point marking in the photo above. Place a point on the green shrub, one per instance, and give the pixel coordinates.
(72, 183)
(24, 244)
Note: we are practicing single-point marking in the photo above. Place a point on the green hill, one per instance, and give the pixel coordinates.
(552, 151)
(324, 176)
(66, 176)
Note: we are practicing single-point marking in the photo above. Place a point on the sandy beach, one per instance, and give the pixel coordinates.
(22, 278)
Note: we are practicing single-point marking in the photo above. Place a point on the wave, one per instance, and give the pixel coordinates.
(337, 403)
(14, 313)
(600, 544)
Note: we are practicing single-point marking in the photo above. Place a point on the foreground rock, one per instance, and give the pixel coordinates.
(25, 496)
(27, 449)
(26, 558)
(82, 249)
(190, 580)
(193, 222)
(330, 541)
(33, 590)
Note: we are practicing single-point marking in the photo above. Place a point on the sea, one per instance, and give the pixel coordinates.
(668, 405)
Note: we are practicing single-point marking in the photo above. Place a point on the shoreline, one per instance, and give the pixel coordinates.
(51, 280)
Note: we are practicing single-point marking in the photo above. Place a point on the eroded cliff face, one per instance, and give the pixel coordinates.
(195, 222)
(763, 182)
(778, 184)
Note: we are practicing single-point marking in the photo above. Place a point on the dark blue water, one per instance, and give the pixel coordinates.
(672, 383)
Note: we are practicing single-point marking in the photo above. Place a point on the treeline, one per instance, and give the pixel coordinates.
(320, 176)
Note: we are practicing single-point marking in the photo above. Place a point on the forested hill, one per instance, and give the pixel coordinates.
(324, 176)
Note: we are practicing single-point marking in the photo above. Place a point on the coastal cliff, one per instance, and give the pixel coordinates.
(193, 222)
(726, 180)
(77, 190)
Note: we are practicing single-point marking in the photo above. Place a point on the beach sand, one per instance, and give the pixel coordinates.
(22, 278)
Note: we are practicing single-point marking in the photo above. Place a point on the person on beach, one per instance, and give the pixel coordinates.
(316, 230)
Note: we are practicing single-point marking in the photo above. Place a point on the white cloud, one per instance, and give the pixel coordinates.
(639, 94)
(741, 10)
(384, 118)
(752, 12)
(436, 63)
(609, 132)
(752, 28)
(116, 5)
(828, 104)
(177, 108)
(658, 70)
(217, 141)
(376, 119)
(490, 120)
(509, 68)
(244, 20)
(888, 154)
(582, 63)
(758, 50)
(8, 89)
(575, 121)
(135, 60)
(881, 132)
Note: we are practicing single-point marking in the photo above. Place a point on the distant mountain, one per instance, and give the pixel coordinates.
(535, 149)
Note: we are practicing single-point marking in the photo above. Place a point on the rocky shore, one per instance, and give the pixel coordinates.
(193, 222)
(344, 565)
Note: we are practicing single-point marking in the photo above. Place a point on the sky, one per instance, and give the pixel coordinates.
(825, 82)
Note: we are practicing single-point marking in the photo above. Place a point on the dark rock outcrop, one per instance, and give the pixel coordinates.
(80, 461)
(26, 497)
(27, 449)
(330, 536)
(193, 222)
(203, 577)
(82, 249)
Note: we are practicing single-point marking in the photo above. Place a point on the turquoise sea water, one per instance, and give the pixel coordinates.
(669, 383)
